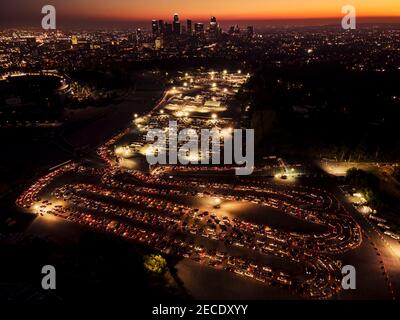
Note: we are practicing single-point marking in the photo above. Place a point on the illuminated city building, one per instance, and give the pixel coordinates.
(158, 43)
(74, 40)
(154, 27)
(176, 25)
(139, 36)
(199, 28)
(214, 28)
(168, 29)
(189, 27)
(161, 26)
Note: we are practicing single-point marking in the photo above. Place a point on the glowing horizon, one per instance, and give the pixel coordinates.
(224, 10)
(231, 9)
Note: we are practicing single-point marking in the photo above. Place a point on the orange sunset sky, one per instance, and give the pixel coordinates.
(19, 11)
(226, 9)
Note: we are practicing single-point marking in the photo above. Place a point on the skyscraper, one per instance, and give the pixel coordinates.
(176, 25)
(154, 27)
(199, 28)
(168, 29)
(189, 28)
(139, 36)
(161, 26)
(214, 28)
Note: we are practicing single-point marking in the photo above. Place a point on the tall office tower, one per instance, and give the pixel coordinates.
(161, 26)
(231, 30)
(250, 32)
(139, 36)
(177, 28)
(177, 25)
(214, 28)
(189, 28)
(168, 29)
(199, 28)
(154, 27)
